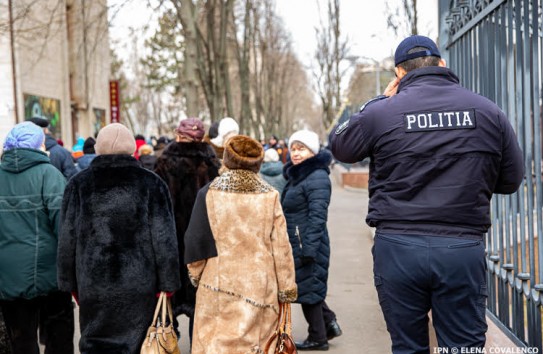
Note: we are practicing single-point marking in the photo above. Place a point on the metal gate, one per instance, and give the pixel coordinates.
(495, 47)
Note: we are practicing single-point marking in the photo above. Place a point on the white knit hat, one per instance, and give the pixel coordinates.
(227, 126)
(271, 155)
(306, 137)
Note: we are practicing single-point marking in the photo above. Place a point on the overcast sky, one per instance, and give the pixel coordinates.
(363, 22)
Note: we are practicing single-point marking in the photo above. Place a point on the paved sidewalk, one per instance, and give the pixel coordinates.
(351, 294)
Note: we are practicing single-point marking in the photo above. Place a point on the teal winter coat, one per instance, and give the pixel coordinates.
(272, 172)
(31, 192)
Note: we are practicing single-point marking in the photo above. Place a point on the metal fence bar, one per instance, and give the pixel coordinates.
(496, 48)
(536, 84)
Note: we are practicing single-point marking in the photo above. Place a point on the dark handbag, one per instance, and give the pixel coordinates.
(283, 335)
(161, 338)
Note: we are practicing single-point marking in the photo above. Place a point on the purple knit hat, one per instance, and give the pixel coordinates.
(24, 135)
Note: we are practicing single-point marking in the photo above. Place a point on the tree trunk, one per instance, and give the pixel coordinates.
(187, 15)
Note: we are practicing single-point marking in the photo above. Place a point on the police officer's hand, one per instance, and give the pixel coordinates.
(392, 87)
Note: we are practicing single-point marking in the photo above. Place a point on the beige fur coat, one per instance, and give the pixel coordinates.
(240, 289)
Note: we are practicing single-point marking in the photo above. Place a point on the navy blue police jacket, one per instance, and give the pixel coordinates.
(437, 153)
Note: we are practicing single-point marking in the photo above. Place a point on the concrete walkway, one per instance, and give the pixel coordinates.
(351, 294)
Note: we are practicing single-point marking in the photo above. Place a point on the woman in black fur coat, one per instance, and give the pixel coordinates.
(186, 165)
(117, 246)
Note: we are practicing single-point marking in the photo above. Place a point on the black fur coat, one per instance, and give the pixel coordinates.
(186, 167)
(117, 249)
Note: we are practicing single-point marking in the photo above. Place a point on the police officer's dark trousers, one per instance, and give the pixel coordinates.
(414, 274)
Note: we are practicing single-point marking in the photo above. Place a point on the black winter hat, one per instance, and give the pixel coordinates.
(40, 122)
(88, 146)
(213, 130)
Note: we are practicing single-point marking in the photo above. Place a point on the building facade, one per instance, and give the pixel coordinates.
(55, 64)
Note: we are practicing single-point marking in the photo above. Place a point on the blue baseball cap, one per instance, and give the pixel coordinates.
(402, 52)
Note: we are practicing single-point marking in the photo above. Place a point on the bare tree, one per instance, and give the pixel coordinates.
(331, 50)
(403, 18)
(204, 27)
(237, 55)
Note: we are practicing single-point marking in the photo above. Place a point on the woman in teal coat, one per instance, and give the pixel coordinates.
(30, 199)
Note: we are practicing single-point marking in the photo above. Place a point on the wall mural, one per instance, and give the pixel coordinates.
(46, 108)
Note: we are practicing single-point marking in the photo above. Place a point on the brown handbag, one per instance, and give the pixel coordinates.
(283, 333)
(161, 338)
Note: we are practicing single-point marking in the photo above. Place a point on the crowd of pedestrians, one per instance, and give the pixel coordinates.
(121, 221)
(229, 227)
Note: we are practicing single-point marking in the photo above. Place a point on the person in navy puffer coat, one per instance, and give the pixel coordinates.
(305, 201)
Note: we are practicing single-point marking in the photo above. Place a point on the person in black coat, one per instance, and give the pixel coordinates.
(59, 156)
(186, 165)
(117, 246)
(438, 152)
(147, 159)
(88, 154)
(305, 201)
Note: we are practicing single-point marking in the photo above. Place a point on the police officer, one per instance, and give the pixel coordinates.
(437, 154)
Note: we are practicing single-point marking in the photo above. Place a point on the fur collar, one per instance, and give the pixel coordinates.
(187, 150)
(296, 173)
(108, 161)
(240, 181)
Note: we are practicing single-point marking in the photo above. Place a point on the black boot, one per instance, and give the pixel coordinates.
(311, 345)
(333, 330)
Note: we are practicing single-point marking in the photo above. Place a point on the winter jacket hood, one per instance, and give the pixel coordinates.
(272, 172)
(19, 160)
(60, 157)
(50, 142)
(272, 168)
